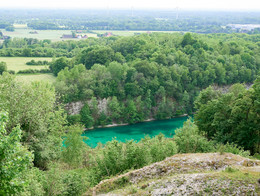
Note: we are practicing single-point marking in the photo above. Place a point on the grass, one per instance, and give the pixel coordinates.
(36, 77)
(19, 63)
(127, 33)
(21, 31)
(54, 35)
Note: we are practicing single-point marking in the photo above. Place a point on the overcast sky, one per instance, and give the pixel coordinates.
(136, 4)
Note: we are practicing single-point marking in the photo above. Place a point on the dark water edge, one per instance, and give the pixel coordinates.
(135, 131)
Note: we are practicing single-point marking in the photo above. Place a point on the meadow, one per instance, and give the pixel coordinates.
(19, 63)
(48, 77)
(127, 33)
(53, 35)
(21, 31)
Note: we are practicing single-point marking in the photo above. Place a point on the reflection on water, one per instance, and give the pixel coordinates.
(135, 132)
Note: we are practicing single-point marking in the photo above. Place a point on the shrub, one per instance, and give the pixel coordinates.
(33, 62)
(232, 148)
(3, 67)
(189, 140)
(74, 183)
(116, 157)
(74, 119)
(61, 182)
(32, 71)
(11, 72)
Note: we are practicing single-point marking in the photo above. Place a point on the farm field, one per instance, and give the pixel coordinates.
(19, 63)
(54, 35)
(36, 77)
(128, 33)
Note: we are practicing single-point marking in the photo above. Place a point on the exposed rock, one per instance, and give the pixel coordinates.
(74, 108)
(190, 175)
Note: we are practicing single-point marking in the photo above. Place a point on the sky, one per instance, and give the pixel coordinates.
(236, 5)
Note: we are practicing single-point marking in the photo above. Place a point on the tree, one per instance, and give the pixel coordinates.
(114, 108)
(3, 67)
(9, 28)
(86, 117)
(189, 140)
(187, 40)
(33, 107)
(232, 117)
(130, 112)
(57, 65)
(15, 159)
(74, 147)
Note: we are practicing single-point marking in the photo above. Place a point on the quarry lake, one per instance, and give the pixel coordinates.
(135, 132)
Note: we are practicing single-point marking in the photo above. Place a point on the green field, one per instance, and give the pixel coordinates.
(19, 63)
(54, 35)
(128, 33)
(36, 77)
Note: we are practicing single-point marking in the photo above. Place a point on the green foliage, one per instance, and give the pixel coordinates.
(74, 119)
(61, 182)
(162, 78)
(116, 157)
(115, 110)
(15, 159)
(33, 71)
(57, 65)
(3, 67)
(189, 140)
(131, 115)
(232, 148)
(232, 117)
(33, 107)
(187, 40)
(33, 62)
(74, 147)
(86, 117)
(36, 179)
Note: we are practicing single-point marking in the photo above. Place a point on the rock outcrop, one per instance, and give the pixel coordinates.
(188, 174)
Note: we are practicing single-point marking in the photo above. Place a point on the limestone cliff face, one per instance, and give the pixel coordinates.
(188, 174)
(74, 108)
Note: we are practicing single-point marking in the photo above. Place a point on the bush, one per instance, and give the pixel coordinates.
(3, 67)
(32, 71)
(33, 62)
(74, 184)
(232, 148)
(11, 72)
(61, 182)
(116, 157)
(189, 140)
(74, 119)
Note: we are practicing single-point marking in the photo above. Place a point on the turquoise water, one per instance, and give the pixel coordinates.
(135, 132)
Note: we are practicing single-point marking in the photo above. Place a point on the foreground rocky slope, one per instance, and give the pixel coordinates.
(188, 174)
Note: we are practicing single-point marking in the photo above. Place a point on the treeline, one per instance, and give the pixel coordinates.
(151, 76)
(146, 20)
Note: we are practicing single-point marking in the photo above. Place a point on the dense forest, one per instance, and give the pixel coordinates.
(146, 76)
(124, 80)
(147, 20)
